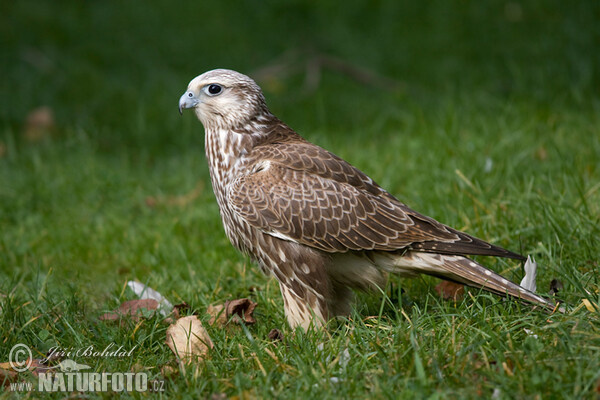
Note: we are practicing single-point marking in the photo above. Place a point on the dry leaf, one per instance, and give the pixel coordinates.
(240, 309)
(450, 290)
(39, 124)
(178, 308)
(588, 304)
(176, 313)
(8, 376)
(35, 366)
(275, 335)
(131, 308)
(39, 366)
(2, 149)
(146, 292)
(188, 339)
(217, 314)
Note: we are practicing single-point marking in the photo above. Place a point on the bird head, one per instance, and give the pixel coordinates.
(223, 98)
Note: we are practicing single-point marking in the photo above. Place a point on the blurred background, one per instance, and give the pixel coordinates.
(94, 156)
(104, 66)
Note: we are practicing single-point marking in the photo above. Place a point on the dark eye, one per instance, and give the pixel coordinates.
(214, 89)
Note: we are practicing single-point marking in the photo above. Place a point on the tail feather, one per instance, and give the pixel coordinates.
(464, 270)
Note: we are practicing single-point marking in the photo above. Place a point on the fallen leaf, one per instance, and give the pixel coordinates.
(35, 366)
(188, 339)
(39, 366)
(588, 304)
(146, 292)
(8, 376)
(217, 314)
(176, 313)
(275, 335)
(450, 290)
(2, 149)
(38, 124)
(132, 308)
(240, 309)
(177, 308)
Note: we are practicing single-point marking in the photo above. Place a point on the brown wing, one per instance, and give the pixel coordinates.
(320, 212)
(321, 201)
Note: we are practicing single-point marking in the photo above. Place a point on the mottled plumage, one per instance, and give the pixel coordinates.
(315, 222)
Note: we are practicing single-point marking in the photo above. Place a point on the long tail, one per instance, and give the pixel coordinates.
(464, 270)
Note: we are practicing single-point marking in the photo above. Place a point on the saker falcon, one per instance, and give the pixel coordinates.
(319, 225)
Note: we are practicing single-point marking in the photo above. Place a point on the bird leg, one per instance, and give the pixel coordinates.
(307, 311)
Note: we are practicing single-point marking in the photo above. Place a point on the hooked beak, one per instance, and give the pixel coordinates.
(187, 100)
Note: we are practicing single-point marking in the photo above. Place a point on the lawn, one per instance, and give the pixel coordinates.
(485, 116)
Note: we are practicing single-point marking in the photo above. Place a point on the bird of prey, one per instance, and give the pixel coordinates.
(319, 225)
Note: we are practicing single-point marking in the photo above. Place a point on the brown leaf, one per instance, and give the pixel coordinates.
(450, 290)
(275, 335)
(188, 339)
(38, 124)
(39, 366)
(241, 309)
(35, 366)
(176, 313)
(217, 313)
(178, 308)
(2, 149)
(8, 376)
(131, 308)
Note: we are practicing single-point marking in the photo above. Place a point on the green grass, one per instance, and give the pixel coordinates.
(507, 82)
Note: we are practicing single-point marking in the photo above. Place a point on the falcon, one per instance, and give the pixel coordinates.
(316, 223)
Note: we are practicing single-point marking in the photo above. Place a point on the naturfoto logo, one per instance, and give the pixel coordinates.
(69, 375)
